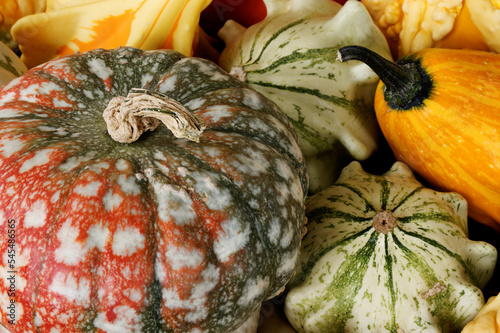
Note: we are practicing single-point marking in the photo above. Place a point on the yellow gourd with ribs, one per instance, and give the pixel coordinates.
(412, 26)
(488, 318)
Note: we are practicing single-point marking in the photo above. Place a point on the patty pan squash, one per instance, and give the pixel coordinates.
(412, 26)
(383, 253)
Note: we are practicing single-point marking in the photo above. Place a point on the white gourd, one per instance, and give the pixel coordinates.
(10, 65)
(383, 253)
(290, 57)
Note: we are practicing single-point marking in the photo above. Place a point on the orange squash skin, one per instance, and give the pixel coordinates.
(453, 139)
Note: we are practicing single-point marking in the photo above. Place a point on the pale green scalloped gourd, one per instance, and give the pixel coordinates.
(10, 65)
(383, 253)
(290, 57)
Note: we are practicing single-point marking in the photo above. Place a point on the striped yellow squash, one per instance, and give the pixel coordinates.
(77, 26)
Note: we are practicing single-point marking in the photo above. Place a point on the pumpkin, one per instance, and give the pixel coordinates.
(188, 228)
(487, 320)
(411, 26)
(439, 111)
(290, 57)
(383, 253)
(67, 27)
(10, 65)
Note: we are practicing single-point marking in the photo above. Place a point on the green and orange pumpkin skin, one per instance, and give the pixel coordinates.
(159, 235)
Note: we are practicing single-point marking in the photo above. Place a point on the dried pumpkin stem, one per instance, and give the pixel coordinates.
(384, 222)
(142, 110)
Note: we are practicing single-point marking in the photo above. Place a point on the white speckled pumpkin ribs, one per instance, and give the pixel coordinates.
(159, 235)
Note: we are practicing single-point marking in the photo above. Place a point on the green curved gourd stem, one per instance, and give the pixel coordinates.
(406, 85)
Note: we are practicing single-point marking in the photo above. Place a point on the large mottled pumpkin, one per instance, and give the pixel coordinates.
(188, 228)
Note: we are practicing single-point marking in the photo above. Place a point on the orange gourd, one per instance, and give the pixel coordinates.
(439, 110)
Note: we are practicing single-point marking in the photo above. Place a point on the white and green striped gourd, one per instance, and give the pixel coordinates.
(11, 65)
(290, 57)
(383, 253)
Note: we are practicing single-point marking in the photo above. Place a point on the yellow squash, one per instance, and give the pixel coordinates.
(412, 26)
(488, 318)
(69, 26)
(439, 110)
(13, 10)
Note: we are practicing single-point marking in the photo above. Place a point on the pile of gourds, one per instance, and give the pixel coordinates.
(249, 166)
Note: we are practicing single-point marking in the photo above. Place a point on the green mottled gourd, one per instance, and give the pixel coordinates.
(290, 57)
(149, 192)
(383, 253)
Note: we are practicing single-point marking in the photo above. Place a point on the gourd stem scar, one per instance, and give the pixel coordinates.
(142, 110)
(384, 222)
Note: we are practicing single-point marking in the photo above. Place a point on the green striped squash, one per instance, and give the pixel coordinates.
(11, 65)
(383, 253)
(290, 57)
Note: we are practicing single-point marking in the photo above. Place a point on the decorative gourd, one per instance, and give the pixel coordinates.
(412, 26)
(68, 26)
(188, 228)
(290, 58)
(10, 65)
(439, 111)
(383, 253)
(13, 10)
(487, 320)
